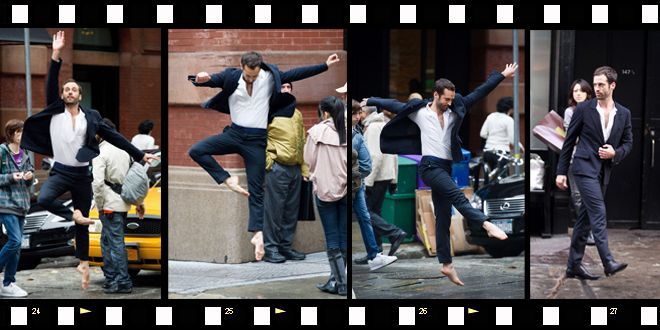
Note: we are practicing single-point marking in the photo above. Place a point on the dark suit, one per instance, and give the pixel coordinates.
(402, 136)
(592, 174)
(250, 143)
(62, 178)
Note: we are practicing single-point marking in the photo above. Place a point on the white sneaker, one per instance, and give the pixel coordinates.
(381, 261)
(12, 290)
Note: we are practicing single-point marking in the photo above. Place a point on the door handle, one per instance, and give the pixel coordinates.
(652, 148)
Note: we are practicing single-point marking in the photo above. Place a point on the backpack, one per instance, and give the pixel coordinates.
(136, 184)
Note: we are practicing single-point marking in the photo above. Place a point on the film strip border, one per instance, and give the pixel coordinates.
(233, 13)
(361, 314)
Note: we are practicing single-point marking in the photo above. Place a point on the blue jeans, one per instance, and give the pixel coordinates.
(113, 249)
(364, 219)
(333, 217)
(11, 251)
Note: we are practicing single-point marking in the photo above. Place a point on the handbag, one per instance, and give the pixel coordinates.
(550, 130)
(306, 208)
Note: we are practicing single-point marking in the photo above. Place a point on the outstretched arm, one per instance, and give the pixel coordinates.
(493, 80)
(308, 71)
(52, 88)
(391, 105)
(210, 80)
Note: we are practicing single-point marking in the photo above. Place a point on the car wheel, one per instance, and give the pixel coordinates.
(501, 249)
(133, 272)
(28, 263)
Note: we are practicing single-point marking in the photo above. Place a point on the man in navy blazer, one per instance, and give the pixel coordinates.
(252, 97)
(430, 128)
(67, 132)
(604, 130)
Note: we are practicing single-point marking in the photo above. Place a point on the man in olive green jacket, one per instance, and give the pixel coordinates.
(285, 169)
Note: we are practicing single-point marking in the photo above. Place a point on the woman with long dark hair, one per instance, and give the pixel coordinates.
(326, 155)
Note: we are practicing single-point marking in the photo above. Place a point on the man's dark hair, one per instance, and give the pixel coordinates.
(252, 60)
(442, 84)
(109, 123)
(504, 104)
(288, 82)
(146, 126)
(609, 73)
(73, 81)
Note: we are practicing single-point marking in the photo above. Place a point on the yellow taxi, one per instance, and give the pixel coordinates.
(142, 236)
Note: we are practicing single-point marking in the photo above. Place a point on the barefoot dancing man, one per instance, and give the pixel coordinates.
(67, 132)
(252, 97)
(430, 128)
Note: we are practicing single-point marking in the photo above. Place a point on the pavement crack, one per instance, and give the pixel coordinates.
(558, 284)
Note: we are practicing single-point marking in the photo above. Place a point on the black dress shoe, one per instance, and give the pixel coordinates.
(274, 257)
(614, 267)
(292, 255)
(362, 261)
(580, 272)
(396, 242)
(118, 289)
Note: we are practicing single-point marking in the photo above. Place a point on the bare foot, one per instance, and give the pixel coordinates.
(83, 269)
(232, 183)
(258, 241)
(494, 231)
(78, 218)
(450, 272)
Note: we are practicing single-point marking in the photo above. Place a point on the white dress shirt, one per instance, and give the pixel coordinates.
(436, 140)
(498, 131)
(606, 130)
(67, 139)
(252, 111)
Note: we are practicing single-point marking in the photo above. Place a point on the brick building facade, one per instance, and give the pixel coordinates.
(136, 58)
(192, 51)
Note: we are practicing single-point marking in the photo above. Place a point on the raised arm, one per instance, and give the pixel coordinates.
(494, 79)
(301, 73)
(52, 83)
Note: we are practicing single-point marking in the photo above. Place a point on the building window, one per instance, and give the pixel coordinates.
(95, 39)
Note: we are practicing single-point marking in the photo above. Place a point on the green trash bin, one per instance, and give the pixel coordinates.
(399, 210)
(407, 177)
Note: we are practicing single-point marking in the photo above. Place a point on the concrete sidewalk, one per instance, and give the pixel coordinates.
(416, 276)
(289, 280)
(638, 248)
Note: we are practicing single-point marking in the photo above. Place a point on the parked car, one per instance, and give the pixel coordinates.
(502, 199)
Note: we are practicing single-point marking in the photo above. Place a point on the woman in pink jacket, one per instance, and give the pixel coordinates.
(326, 155)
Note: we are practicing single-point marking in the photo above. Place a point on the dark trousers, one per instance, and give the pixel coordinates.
(436, 173)
(113, 249)
(375, 199)
(251, 145)
(281, 203)
(590, 216)
(77, 180)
